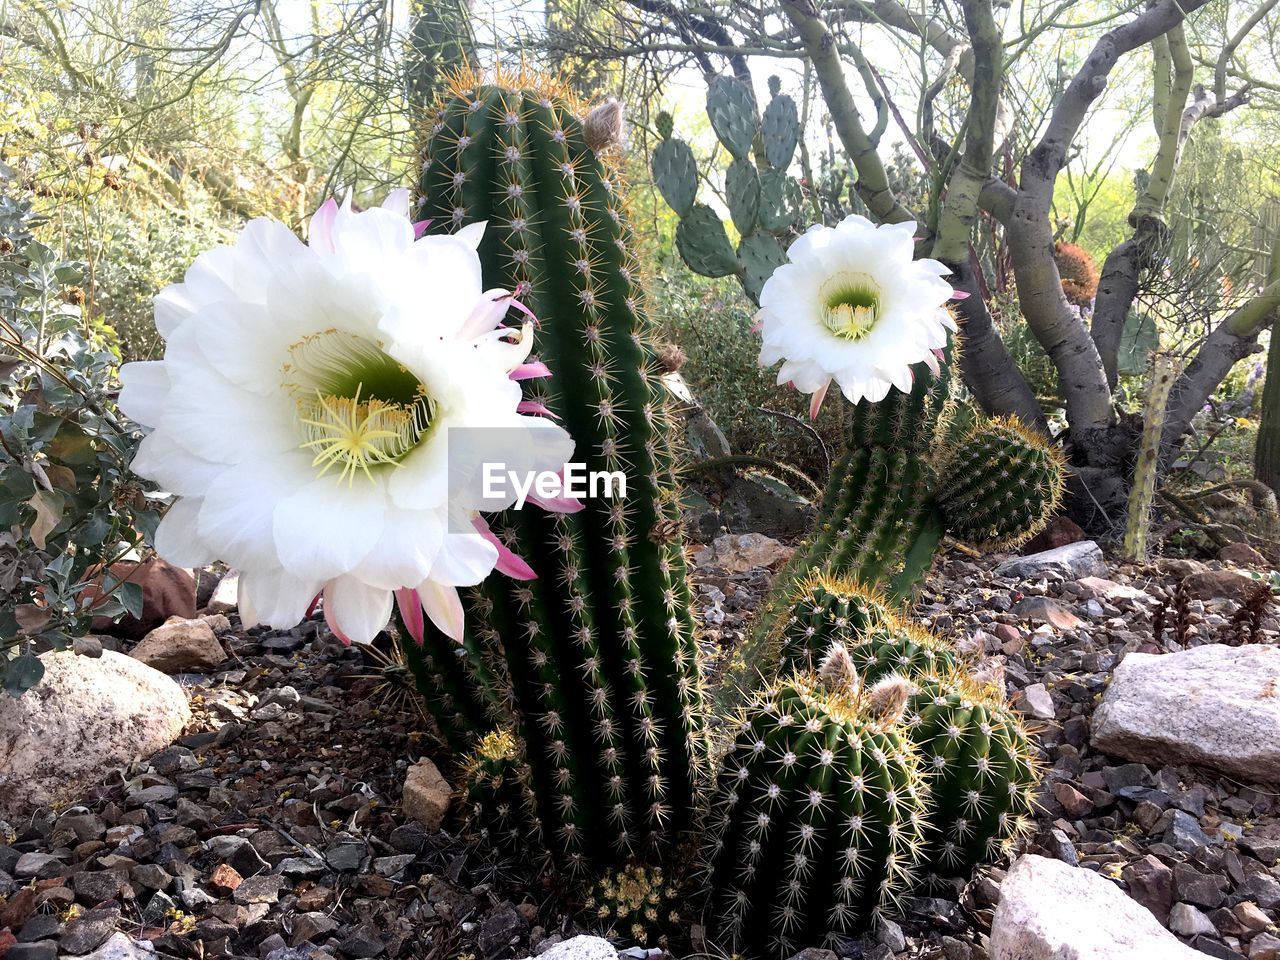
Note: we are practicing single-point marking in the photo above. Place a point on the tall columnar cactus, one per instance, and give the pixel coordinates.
(981, 767)
(594, 662)
(764, 201)
(818, 815)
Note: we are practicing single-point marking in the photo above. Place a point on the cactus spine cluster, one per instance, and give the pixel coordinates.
(818, 817)
(764, 202)
(637, 902)
(981, 769)
(594, 663)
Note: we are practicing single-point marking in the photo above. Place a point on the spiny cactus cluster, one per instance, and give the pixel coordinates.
(637, 902)
(494, 794)
(764, 202)
(818, 815)
(594, 663)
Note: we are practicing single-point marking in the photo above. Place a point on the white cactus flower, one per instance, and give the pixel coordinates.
(302, 413)
(853, 306)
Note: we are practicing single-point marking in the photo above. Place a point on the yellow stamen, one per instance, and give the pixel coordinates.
(356, 434)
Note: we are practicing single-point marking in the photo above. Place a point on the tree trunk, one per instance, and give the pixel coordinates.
(1266, 456)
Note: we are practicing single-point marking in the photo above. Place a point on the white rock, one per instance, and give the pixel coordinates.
(226, 595)
(738, 553)
(120, 946)
(1215, 706)
(426, 794)
(84, 718)
(1051, 911)
(1037, 702)
(580, 948)
(1075, 560)
(1188, 921)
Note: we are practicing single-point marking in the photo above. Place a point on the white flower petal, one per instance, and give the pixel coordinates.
(175, 468)
(359, 610)
(326, 527)
(274, 597)
(443, 607)
(178, 538)
(144, 386)
(464, 559)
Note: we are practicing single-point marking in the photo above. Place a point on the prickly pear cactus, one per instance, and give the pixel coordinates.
(818, 816)
(982, 769)
(594, 663)
(763, 201)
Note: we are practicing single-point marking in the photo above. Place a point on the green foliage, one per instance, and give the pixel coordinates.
(1139, 339)
(763, 201)
(67, 504)
(818, 817)
(594, 663)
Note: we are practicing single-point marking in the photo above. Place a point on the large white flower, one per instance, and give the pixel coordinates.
(303, 409)
(852, 306)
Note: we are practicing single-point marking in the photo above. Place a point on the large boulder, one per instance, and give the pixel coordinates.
(1215, 706)
(86, 717)
(167, 591)
(1049, 910)
(1070, 562)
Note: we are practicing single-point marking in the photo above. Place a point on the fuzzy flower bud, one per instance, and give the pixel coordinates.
(888, 698)
(837, 671)
(602, 127)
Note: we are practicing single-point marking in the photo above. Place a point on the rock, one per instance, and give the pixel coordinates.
(362, 942)
(1036, 702)
(1044, 610)
(1184, 833)
(1251, 918)
(738, 553)
(1200, 889)
(1219, 585)
(264, 888)
(426, 794)
(1242, 555)
(1262, 889)
(88, 931)
(37, 865)
(1073, 802)
(1075, 560)
(224, 879)
(1150, 882)
(43, 950)
(1059, 532)
(310, 927)
(101, 713)
(121, 947)
(180, 646)
(1050, 911)
(500, 929)
(1215, 706)
(1264, 946)
(1189, 921)
(580, 948)
(226, 595)
(754, 500)
(167, 591)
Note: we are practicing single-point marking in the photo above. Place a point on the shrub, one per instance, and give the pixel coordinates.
(67, 504)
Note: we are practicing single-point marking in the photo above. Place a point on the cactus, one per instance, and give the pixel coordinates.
(1164, 370)
(494, 794)
(981, 770)
(594, 663)
(818, 815)
(763, 201)
(637, 902)
(997, 482)
(826, 610)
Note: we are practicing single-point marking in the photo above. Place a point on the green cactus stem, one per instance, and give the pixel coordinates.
(595, 661)
(638, 903)
(818, 816)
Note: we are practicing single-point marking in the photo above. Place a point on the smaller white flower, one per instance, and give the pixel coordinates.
(852, 306)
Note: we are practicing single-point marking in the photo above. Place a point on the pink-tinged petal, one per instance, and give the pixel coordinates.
(509, 563)
(443, 605)
(320, 231)
(758, 323)
(411, 613)
(315, 602)
(420, 229)
(959, 295)
(397, 201)
(556, 504)
(533, 406)
(790, 384)
(530, 371)
(486, 315)
(519, 305)
(333, 623)
(815, 404)
(932, 360)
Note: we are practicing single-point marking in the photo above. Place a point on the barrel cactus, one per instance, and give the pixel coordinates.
(818, 817)
(593, 663)
(982, 769)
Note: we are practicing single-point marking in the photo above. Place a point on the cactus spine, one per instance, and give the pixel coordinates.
(818, 817)
(594, 662)
(981, 769)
